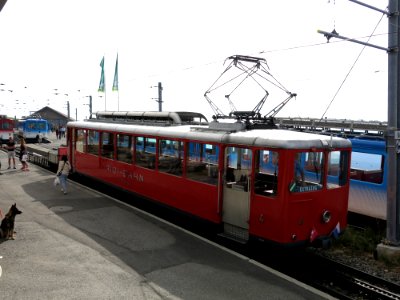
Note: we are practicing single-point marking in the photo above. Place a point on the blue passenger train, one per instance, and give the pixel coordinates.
(368, 177)
(34, 129)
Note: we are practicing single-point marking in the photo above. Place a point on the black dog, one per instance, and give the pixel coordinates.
(7, 224)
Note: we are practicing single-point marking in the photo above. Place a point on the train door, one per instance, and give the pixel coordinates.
(71, 138)
(236, 192)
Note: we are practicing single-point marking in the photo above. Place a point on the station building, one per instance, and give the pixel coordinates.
(54, 117)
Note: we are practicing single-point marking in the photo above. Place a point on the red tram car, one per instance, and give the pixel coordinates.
(285, 187)
(6, 127)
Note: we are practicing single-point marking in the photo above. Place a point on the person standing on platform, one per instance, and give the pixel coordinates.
(23, 155)
(63, 170)
(10, 146)
(62, 132)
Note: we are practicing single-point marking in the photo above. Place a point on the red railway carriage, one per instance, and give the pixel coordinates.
(281, 186)
(6, 127)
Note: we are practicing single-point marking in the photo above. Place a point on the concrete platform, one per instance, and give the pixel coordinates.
(388, 253)
(85, 245)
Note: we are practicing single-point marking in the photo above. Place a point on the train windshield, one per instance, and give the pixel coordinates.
(6, 125)
(36, 125)
(309, 172)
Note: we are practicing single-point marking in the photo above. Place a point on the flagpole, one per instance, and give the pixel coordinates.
(105, 92)
(115, 82)
(102, 84)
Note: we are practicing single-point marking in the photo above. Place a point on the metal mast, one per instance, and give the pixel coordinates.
(160, 89)
(393, 132)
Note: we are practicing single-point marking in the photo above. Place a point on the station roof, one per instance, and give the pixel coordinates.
(55, 117)
(2, 3)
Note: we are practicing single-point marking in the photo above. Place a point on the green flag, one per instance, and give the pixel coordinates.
(102, 85)
(115, 83)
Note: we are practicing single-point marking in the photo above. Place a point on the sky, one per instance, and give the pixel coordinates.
(51, 51)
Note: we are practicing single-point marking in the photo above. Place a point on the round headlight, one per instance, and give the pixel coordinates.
(326, 216)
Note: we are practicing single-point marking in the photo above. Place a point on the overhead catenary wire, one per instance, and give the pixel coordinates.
(350, 70)
(218, 61)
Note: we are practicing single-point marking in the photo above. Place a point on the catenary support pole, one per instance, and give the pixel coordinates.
(393, 196)
(160, 96)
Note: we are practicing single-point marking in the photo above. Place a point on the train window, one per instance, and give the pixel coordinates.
(202, 162)
(170, 157)
(41, 125)
(93, 142)
(107, 145)
(210, 153)
(367, 167)
(124, 148)
(338, 162)
(145, 149)
(37, 125)
(266, 172)
(308, 172)
(80, 139)
(237, 168)
(139, 143)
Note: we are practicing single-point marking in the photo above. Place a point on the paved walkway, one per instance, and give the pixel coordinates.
(85, 245)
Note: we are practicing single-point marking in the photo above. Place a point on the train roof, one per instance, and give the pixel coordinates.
(364, 144)
(276, 138)
(32, 120)
(157, 118)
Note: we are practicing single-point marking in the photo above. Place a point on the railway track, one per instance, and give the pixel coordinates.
(350, 283)
(339, 280)
(370, 291)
